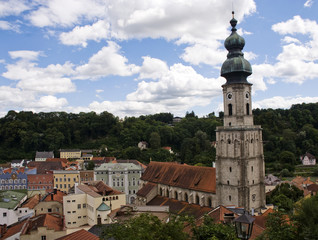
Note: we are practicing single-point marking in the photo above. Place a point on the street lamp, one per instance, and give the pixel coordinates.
(244, 225)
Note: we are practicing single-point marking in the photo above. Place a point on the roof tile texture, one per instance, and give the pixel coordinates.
(80, 235)
(183, 176)
(146, 189)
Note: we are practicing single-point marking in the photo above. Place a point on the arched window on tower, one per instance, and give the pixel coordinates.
(247, 109)
(230, 109)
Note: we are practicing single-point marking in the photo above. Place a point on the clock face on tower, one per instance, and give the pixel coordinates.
(229, 96)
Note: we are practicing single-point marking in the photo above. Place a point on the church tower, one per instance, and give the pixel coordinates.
(240, 167)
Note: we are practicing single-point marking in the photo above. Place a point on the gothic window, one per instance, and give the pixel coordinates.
(229, 141)
(252, 169)
(230, 169)
(230, 109)
(186, 197)
(197, 199)
(160, 191)
(253, 197)
(167, 192)
(176, 195)
(228, 182)
(210, 202)
(247, 109)
(230, 198)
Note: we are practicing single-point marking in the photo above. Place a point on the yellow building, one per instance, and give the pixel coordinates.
(64, 180)
(70, 153)
(91, 204)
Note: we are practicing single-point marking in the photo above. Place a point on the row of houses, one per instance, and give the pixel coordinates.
(57, 173)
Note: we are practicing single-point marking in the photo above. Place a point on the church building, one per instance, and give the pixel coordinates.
(239, 173)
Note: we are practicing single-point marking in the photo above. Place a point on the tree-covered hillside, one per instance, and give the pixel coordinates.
(287, 134)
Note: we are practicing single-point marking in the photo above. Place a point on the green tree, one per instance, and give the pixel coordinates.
(287, 157)
(306, 217)
(213, 231)
(90, 165)
(155, 140)
(284, 195)
(278, 227)
(132, 153)
(145, 227)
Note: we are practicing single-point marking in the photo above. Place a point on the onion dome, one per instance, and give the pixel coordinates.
(235, 68)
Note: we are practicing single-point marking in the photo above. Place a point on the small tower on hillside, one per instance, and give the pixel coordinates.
(240, 168)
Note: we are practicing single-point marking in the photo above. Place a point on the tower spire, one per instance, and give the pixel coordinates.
(235, 68)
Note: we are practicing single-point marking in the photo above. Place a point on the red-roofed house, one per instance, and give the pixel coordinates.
(52, 202)
(43, 226)
(79, 235)
(91, 204)
(191, 184)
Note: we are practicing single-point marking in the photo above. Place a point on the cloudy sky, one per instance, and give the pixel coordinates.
(139, 57)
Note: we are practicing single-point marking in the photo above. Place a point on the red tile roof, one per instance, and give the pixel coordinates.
(180, 207)
(14, 229)
(261, 220)
(80, 235)
(146, 189)
(49, 220)
(257, 230)
(313, 188)
(183, 176)
(58, 196)
(97, 188)
(219, 214)
(32, 202)
(44, 167)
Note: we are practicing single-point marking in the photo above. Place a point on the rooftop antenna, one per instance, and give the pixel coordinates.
(232, 10)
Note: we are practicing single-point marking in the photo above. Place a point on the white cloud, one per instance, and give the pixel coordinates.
(211, 54)
(175, 89)
(283, 102)
(152, 68)
(99, 90)
(49, 103)
(80, 35)
(298, 60)
(289, 39)
(66, 13)
(4, 25)
(13, 7)
(308, 3)
(52, 79)
(106, 62)
(15, 98)
(201, 23)
(25, 54)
